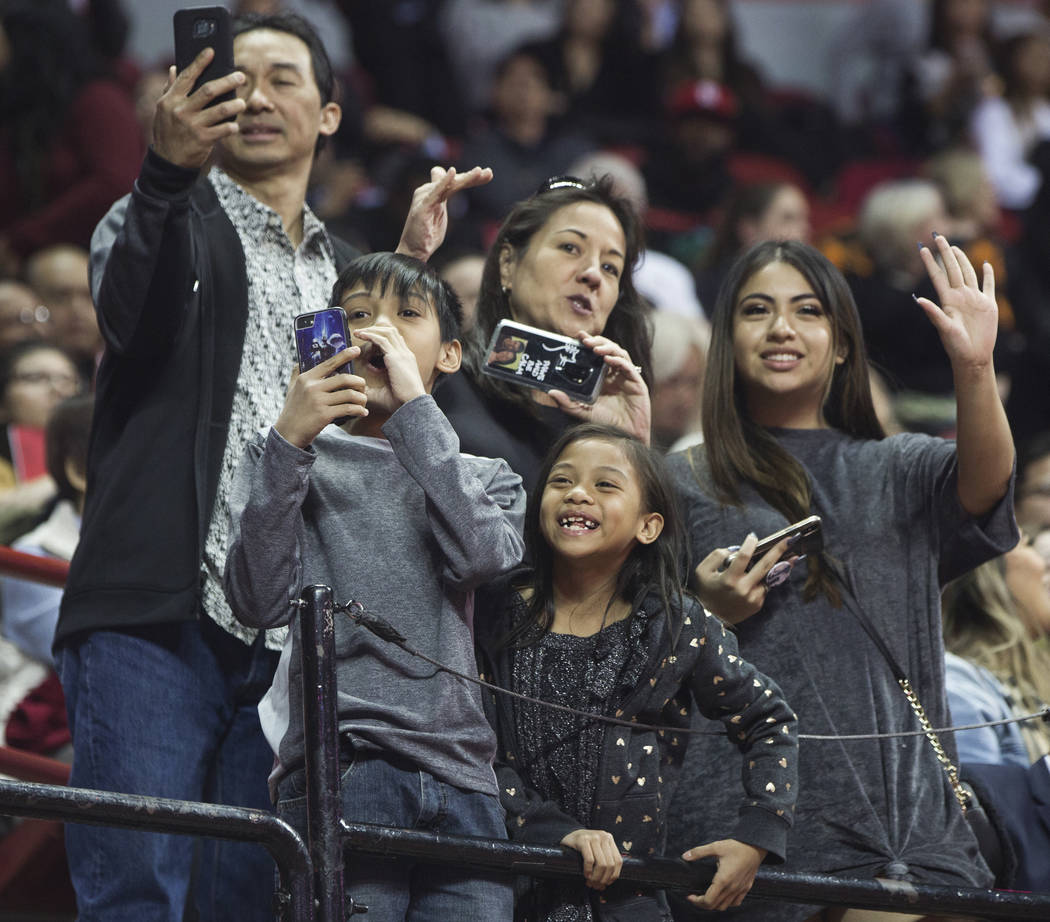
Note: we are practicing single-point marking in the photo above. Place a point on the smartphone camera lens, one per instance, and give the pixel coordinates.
(203, 28)
(577, 374)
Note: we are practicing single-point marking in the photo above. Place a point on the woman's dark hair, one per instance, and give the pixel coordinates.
(295, 25)
(655, 566)
(628, 324)
(51, 60)
(66, 439)
(737, 449)
(407, 276)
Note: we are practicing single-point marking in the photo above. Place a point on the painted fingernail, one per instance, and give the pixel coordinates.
(914, 297)
(935, 235)
(778, 574)
(794, 539)
(921, 245)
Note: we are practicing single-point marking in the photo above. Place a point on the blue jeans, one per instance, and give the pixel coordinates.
(168, 711)
(389, 793)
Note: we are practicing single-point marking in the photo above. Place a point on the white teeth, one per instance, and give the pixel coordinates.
(782, 357)
(577, 521)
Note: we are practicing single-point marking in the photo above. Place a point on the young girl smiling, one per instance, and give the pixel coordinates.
(599, 624)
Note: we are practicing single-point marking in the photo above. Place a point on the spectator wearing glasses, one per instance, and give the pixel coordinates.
(34, 377)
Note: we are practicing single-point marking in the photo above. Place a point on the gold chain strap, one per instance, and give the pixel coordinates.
(950, 770)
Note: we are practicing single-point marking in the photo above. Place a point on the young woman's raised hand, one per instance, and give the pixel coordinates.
(733, 592)
(624, 399)
(601, 858)
(737, 864)
(967, 318)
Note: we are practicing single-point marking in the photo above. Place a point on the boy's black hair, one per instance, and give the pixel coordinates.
(66, 439)
(654, 568)
(407, 276)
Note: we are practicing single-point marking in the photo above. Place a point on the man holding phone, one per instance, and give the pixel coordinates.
(195, 276)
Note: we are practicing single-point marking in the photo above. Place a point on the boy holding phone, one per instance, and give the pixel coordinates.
(386, 511)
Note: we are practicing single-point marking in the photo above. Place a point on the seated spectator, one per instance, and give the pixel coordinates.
(34, 377)
(59, 276)
(463, 273)
(993, 618)
(69, 141)
(523, 142)
(604, 69)
(870, 53)
(398, 44)
(687, 168)
(1007, 128)
(29, 610)
(996, 623)
(480, 33)
(783, 126)
(1032, 503)
(22, 316)
(884, 273)
(951, 76)
(756, 212)
(679, 359)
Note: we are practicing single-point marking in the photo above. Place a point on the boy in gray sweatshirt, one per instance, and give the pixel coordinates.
(387, 511)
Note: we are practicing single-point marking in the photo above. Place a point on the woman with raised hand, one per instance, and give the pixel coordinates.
(790, 431)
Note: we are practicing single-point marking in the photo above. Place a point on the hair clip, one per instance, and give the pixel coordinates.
(561, 182)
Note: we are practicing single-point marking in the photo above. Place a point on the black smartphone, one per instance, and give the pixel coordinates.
(200, 27)
(319, 335)
(810, 541)
(546, 361)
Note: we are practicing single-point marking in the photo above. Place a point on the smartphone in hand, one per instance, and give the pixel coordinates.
(197, 28)
(547, 361)
(319, 335)
(810, 541)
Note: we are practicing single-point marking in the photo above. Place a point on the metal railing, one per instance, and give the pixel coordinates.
(329, 835)
(312, 881)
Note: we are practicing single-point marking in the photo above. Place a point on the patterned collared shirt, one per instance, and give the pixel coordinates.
(282, 281)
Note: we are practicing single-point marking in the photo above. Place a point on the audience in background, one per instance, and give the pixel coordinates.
(1007, 128)
(524, 141)
(755, 212)
(59, 276)
(69, 141)
(951, 76)
(679, 359)
(34, 377)
(29, 610)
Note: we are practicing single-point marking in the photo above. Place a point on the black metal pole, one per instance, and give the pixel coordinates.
(321, 744)
(158, 814)
(673, 873)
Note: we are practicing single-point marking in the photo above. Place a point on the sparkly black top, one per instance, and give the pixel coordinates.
(581, 673)
(565, 750)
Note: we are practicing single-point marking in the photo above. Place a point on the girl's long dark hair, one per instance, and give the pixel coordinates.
(628, 324)
(740, 451)
(649, 568)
